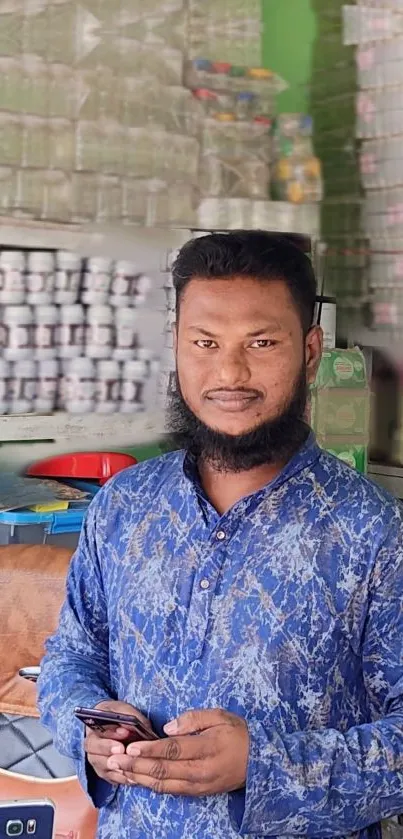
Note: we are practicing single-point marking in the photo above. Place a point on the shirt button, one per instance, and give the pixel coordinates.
(204, 584)
(220, 535)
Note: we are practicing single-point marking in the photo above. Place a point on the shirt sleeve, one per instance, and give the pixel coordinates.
(75, 669)
(325, 783)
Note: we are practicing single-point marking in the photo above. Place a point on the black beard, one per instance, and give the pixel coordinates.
(274, 441)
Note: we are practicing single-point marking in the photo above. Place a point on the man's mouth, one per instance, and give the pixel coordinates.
(233, 401)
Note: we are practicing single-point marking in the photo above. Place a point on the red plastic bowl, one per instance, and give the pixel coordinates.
(85, 466)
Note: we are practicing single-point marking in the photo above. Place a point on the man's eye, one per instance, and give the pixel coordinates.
(206, 344)
(262, 343)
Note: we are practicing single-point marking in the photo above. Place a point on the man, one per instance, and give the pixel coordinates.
(247, 589)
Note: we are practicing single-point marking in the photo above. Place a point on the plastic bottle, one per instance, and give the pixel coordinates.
(17, 322)
(4, 386)
(12, 278)
(124, 284)
(99, 332)
(71, 331)
(97, 280)
(45, 332)
(40, 278)
(22, 389)
(79, 386)
(126, 334)
(68, 275)
(47, 385)
(134, 375)
(107, 387)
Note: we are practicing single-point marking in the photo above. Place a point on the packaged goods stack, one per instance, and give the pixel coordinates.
(296, 175)
(376, 31)
(333, 91)
(95, 123)
(235, 115)
(340, 406)
(71, 334)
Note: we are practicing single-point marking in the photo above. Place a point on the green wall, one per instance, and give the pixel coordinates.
(288, 35)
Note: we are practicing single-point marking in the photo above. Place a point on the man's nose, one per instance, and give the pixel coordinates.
(233, 369)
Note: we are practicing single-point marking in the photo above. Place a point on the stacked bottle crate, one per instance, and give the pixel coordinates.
(376, 31)
(333, 91)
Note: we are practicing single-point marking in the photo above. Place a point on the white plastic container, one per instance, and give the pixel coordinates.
(107, 387)
(40, 278)
(99, 336)
(381, 163)
(47, 384)
(326, 309)
(4, 386)
(124, 284)
(134, 375)
(22, 387)
(383, 213)
(71, 332)
(46, 319)
(97, 281)
(380, 63)
(126, 334)
(79, 386)
(18, 341)
(380, 112)
(67, 280)
(144, 284)
(12, 278)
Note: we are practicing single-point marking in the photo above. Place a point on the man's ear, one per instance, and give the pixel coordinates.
(313, 352)
(175, 337)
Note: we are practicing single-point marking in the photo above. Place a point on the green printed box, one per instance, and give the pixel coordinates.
(354, 454)
(339, 413)
(343, 369)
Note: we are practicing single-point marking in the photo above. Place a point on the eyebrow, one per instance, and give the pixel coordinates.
(272, 325)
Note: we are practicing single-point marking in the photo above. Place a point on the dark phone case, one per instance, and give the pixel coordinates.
(18, 811)
(98, 720)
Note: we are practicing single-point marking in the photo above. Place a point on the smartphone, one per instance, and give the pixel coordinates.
(99, 720)
(27, 818)
(30, 673)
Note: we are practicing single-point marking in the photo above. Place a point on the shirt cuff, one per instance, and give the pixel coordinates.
(99, 791)
(247, 810)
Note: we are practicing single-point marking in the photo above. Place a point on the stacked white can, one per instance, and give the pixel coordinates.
(167, 375)
(71, 347)
(377, 32)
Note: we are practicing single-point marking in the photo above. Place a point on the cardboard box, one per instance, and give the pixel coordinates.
(342, 369)
(354, 454)
(340, 412)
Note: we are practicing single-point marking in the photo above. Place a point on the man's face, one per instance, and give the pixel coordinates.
(240, 352)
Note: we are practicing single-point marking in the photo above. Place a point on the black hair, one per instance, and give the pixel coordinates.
(249, 253)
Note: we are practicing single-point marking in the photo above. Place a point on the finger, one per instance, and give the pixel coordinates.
(193, 771)
(98, 746)
(193, 722)
(173, 748)
(101, 770)
(167, 787)
(112, 733)
(120, 763)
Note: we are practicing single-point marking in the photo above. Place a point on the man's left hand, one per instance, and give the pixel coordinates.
(215, 761)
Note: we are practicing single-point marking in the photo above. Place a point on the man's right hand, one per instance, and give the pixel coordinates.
(100, 745)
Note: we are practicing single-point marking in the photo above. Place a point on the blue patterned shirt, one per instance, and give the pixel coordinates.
(286, 610)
